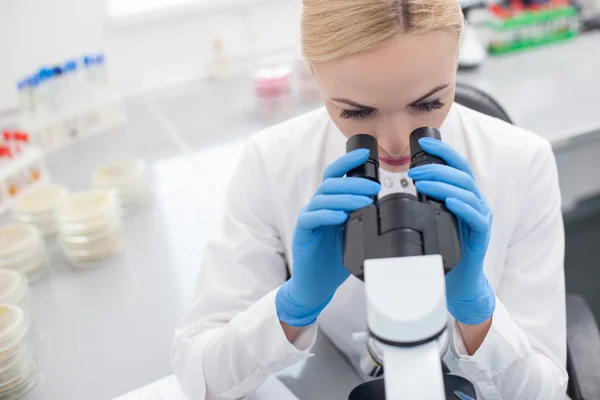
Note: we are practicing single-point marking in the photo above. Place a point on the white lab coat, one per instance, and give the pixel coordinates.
(230, 339)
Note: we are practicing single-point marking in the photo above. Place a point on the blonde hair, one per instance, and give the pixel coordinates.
(333, 29)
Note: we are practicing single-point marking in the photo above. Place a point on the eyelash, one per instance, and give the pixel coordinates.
(359, 114)
(362, 114)
(432, 105)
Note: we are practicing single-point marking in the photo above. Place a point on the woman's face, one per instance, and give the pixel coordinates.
(388, 92)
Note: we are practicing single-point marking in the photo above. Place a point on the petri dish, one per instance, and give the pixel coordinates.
(91, 260)
(15, 365)
(90, 227)
(119, 173)
(41, 200)
(30, 258)
(273, 80)
(13, 328)
(34, 271)
(92, 239)
(33, 267)
(25, 257)
(11, 358)
(21, 385)
(87, 206)
(46, 224)
(14, 287)
(37, 219)
(107, 248)
(18, 238)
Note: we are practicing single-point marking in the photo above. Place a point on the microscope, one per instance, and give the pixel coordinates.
(402, 246)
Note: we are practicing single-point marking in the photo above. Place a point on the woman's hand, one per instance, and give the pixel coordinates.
(471, 300)
(317, 250)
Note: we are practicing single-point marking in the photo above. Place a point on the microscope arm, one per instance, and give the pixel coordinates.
(406, 314)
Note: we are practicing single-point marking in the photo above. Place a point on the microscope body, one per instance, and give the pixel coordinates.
(406, 316)
(402, 246)
(399, 224)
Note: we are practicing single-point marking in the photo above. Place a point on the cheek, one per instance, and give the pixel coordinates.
(436, 118)
(351, 127)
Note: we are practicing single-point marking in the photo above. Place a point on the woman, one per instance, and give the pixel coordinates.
(383, 67)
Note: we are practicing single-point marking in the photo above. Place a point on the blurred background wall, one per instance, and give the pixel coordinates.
(154, 49)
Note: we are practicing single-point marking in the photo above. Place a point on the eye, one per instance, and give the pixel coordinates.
(355, 114)
(432, 105)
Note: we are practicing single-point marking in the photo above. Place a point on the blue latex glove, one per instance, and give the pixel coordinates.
(317, 250)
(470, 298)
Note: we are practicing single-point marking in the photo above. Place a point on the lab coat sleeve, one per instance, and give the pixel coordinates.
(524, 354)
(230, 340)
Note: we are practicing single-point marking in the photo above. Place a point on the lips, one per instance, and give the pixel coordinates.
(395, 161)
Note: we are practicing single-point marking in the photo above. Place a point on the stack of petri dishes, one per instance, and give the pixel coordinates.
(128, 177)
(18, 369)
(14, 289)
(90, 227)
(37, 206)
(22, 249)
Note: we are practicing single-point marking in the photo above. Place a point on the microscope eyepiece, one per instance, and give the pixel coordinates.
(418, 155)
(370, 169)
(364, 141)
(398, 224)
(419, 133)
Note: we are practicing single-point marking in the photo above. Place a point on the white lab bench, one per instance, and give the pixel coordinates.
(104, 332)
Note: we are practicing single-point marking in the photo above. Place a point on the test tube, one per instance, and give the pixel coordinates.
(24, 96)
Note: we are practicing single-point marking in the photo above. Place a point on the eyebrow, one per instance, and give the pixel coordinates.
(352, 103)
(432, 91)
(358, 105)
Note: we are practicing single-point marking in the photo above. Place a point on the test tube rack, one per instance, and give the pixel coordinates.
(516, 27)
(57, 130)
(20, 173)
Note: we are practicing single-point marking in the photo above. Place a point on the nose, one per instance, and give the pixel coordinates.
(393, 135)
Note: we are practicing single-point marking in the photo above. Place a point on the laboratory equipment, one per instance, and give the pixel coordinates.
(37, 206)
(273, 80)
(519, 26)
(70, 82)
(64, 102)
(24, 88)
(399, 218)
(101, 71)
(14, 289)
(272, 87)
(90, 227)
(22, 167)
(129, 177)
(18, 369)
(16, 141)
(22, 249)
(472, 51)
(410, 241)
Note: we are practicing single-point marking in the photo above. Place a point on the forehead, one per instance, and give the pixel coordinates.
(399, 71)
